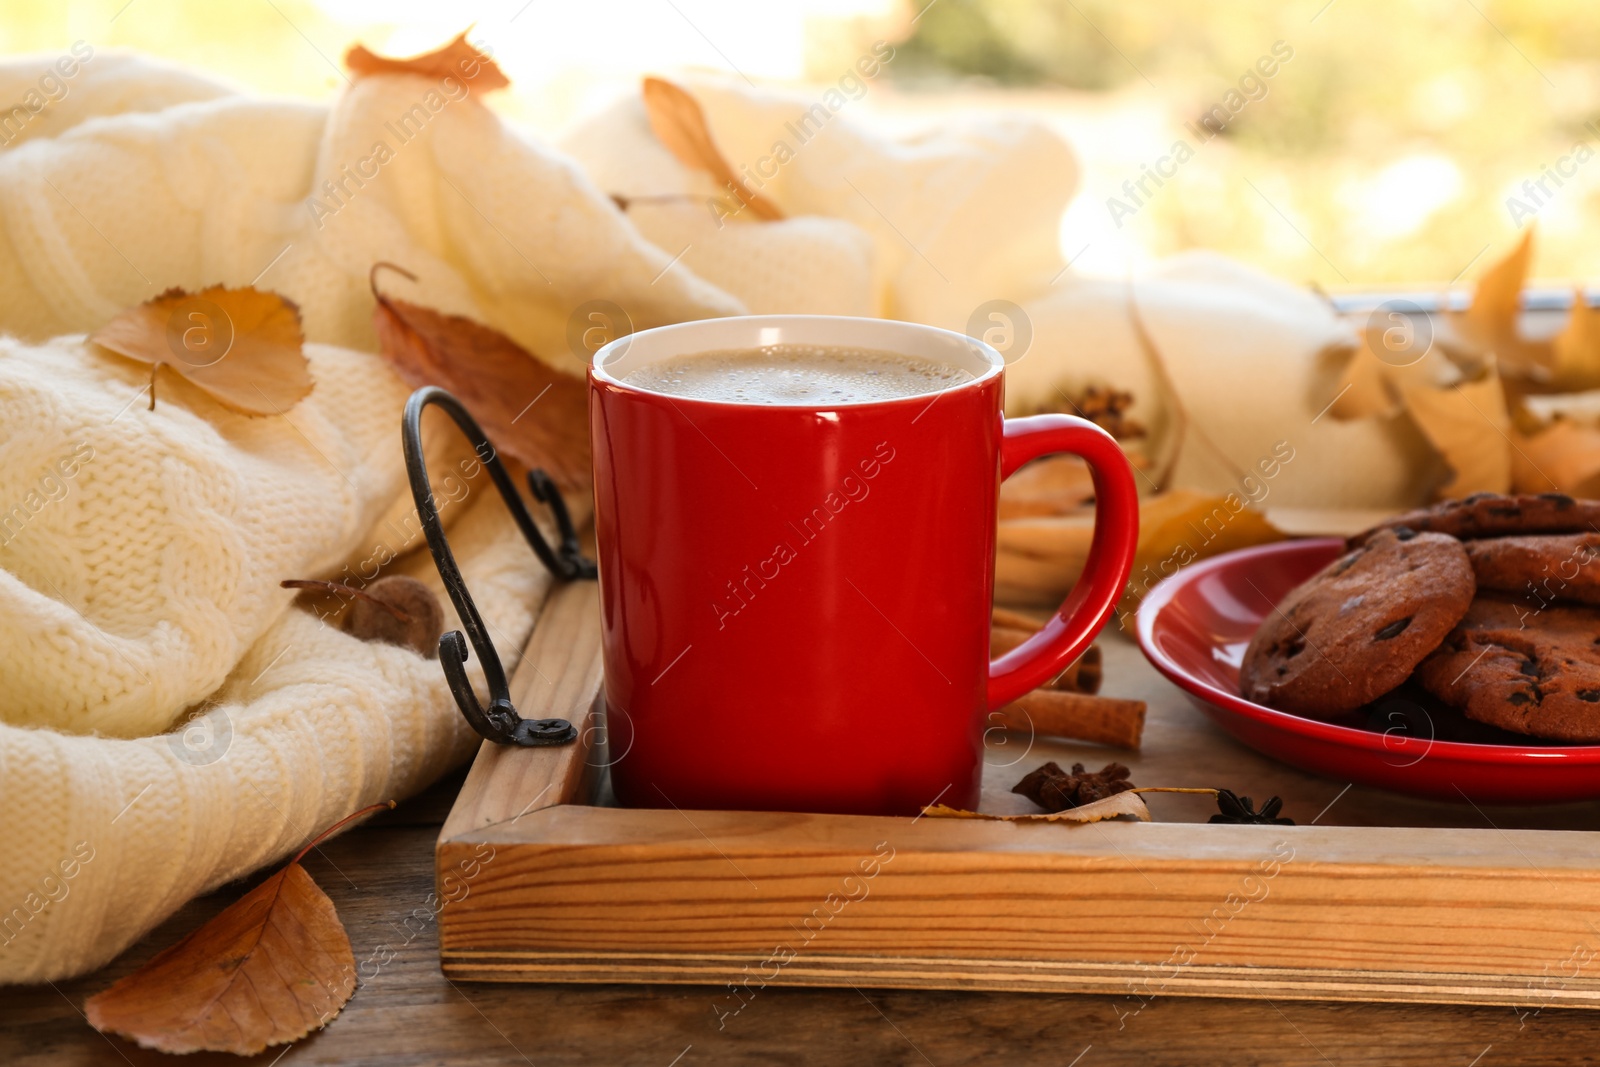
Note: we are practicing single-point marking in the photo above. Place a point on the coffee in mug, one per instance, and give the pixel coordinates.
(798, 374)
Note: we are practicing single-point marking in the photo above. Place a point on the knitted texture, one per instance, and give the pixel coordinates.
(170, 720)
(142, 550)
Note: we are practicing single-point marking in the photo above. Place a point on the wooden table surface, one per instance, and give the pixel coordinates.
(380, 878)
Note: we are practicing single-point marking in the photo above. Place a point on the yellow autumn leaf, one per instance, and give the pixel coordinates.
(1497, 298)
(1490, 323)
(1181, 526)
(460, 59)
(244, 346)
(1378, 372)
(1576, 349)
(1039, 559)
(1363, 390)
(679, 123)
(1563, 458)
(1124, 803)
(1468, 425)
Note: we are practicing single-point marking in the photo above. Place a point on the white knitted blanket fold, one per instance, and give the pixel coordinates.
(168, 719)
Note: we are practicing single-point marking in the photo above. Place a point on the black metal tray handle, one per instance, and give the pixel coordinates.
(499, 722)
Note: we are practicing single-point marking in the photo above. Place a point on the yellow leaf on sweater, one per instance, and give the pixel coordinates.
(679, 123)
(1469, 425)
(242, 346)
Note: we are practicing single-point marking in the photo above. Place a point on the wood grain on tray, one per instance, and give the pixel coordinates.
(562, 889)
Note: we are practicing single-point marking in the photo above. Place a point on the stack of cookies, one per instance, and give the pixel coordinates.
(1490, 603)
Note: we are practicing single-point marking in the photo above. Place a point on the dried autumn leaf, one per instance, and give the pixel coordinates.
(1039, 558)
(532, 412)
(1489, 325)
(1363, 390)
(1467, 424)
(1127, 803)
(1181, 526)
(1563, 458)
(1497, 299)
(273, 966)
(1575, 363)
(1378, 372)
(679, 123)
(242, 346)
(459, 59)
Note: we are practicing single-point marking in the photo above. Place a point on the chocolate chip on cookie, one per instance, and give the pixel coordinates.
(1497, 515)
(1513, 665)
(1540, 568)
(1356, 630)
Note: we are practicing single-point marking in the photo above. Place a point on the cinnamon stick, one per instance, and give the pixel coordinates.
(1078, 716)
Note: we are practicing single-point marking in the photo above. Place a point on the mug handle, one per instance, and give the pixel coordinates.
(1105, 573)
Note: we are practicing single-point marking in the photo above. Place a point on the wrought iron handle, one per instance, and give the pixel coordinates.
(499, 722)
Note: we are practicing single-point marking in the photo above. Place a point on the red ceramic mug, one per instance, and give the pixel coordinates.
(796, 600)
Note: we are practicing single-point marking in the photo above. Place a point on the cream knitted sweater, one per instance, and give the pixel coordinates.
(168, 720)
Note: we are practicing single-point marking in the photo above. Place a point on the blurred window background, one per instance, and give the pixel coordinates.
(1351, 143)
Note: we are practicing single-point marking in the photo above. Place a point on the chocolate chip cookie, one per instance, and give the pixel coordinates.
(1540, 568)
(1357, 629)
(1514, 666)
(1497, 515)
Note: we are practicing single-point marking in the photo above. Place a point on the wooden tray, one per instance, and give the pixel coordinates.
(1372, 897)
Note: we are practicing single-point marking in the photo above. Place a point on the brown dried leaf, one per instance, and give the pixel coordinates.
(1127, 803)
(679, 123)
(273, 966)
(532, 412)
(242, 346)
(1563, 458)
(459, 59)
(1468, 424)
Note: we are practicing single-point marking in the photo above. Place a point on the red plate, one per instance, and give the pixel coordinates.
(1195, 626)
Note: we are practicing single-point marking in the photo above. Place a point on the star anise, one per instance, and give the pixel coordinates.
(1237, 809)
(1056, 790)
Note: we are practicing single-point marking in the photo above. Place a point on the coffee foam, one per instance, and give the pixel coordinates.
(797, 375)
